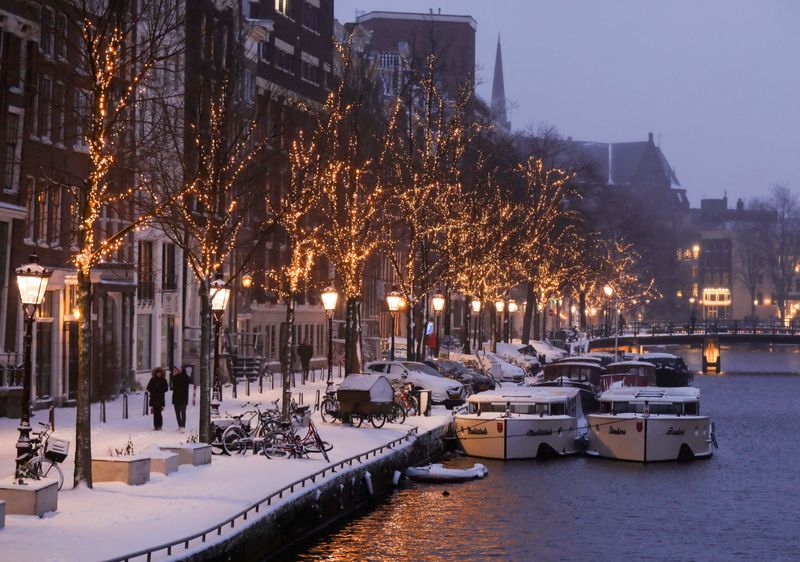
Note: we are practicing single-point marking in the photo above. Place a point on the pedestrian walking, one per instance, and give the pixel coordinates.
(157, 387)
(305, 352)
(180, 395)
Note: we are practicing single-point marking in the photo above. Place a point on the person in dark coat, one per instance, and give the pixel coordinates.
(157, 387)
(305, 352)
(180, 395)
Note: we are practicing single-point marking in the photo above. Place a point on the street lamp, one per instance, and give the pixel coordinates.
(32, 282)
(393, 300)
(476, 309)
(247, 280)
(512, 308)
(219, 302)
(329, 298)
(609, 291)
(438, 307)
(499, 307)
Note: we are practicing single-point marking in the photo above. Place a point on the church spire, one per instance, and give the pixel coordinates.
(499, 91)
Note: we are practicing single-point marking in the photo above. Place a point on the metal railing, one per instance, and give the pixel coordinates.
(704, 327)
(230, 522)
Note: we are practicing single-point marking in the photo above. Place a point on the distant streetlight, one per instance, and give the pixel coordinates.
(329, 297)
(476, 309)
(247, 280)
(512, 308)
(393, 301)
(438, 306)
(32, 282)
(220, 294)
(499, 306)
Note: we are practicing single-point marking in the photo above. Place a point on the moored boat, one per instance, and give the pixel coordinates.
(647, 424)
(671, 370)
(524, 422)
(438, 473)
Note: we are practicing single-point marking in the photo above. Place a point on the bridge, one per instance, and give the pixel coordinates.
(709, 334)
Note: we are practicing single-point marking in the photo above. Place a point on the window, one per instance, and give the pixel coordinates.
(310, 73)
(311, 17)
(283, 60)
(46, 38)
(263, 51)
(145, 289)
(12, 59)
(45, 100)
(144, 345)
(81, 115)
(58, 113)
(61, 36)
(248, 88)
(11, 152)
(54, 216)
(169, 281)
(283, 8)
(40, 213)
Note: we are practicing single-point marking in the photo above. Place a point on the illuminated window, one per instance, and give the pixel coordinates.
(282, 7)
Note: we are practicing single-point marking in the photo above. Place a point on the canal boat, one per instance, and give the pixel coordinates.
(629, 373)
(524, 422)
(647, 424)
(587, 374)
(671, 370)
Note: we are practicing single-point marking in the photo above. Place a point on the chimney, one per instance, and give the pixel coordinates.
(650, 138)
(739, 204)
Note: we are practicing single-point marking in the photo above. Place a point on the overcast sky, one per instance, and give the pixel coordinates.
(716, 81)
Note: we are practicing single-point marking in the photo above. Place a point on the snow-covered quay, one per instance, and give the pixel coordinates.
(114, 520)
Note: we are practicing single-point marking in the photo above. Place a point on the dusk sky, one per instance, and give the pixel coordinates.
(717, 81)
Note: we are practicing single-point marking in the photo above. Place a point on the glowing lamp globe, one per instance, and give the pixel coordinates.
(393, 300)
(32, 282)
(247, 280)
(438, 302)
(219, 295)
(608, 290)
(499, 305)
(512, 306)
(476, 305)
(329, 297)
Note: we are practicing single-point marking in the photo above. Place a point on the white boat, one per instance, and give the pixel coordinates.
(438, 473)
(524, 422)
(647, 424)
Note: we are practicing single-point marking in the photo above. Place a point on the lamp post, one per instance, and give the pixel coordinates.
(219, 302)
(438, 307)
(329, 298)
(609, 291)
(512, 308)
(499, 307)
(476, 309)
(32, 282)
(393, 300)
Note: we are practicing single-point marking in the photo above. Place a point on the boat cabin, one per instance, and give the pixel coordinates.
(535, 401)
(574, 371)
(637, 400)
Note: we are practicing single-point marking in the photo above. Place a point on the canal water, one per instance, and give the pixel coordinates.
(742, 504)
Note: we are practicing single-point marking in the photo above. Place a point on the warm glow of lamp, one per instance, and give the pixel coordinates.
(76, 313)
(393, 300)
(691, 300)
(499, 305)
(476, 305)
(438, 302)
(247, 280)
(608, 290)
(512, 306)
(329, 297)
(32, 281)
(219, 295)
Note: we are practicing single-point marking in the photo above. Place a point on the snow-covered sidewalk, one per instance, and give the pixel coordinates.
(114, 519)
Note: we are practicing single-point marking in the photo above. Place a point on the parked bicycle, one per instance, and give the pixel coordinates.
(244, 436)
(46, 454)
(287, 442)
(404, 395)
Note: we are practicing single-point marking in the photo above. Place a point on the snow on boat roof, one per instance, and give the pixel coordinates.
(658, 355)
(632, 364)
(591, 364)
(525, 394)
(651, 394)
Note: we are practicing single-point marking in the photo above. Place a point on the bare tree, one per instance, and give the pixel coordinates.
(750, 263)
(783, 242)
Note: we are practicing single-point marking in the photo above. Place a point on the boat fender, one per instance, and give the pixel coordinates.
(396, 477)
(368, 480)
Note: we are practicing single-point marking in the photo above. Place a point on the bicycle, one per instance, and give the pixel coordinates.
(286, 442)
(241, 437)
(404, 396)
(46, 454)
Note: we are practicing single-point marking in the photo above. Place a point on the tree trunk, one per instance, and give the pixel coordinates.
(544, 312)
(446, 317)
(286, 360)
(467, 322)
(83, 419)
(582, 309)
(205, 433)
(352, 362)
(409, 332)
(527, 316)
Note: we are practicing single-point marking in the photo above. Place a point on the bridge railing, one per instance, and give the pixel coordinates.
(704, 327)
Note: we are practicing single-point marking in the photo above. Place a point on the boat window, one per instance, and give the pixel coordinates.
(473, 407)
(557, 409)
(691, 409)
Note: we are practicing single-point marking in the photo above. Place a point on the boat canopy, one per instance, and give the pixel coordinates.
(577, 371)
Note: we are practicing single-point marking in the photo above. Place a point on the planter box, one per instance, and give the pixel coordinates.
(35, 497)
(191, 453)
(165, 463)
(130, 470)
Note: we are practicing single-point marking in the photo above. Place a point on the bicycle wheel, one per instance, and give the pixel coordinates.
(327, 409)
(397, 414)
(356, 419)
(277, 445)
(413, 406)
(45, 468)
(234, 440)
(216, 444)
(318, 442)
(377, 420)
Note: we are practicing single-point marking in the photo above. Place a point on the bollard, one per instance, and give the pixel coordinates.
(247, 386)
(234, 393)
(102, 411)
(52, 418)
(316, 402)
(313, 375)
(294, 380)
(301, 399)
(125, 406)
(145, 403)
(271, 380)
(260, 381)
